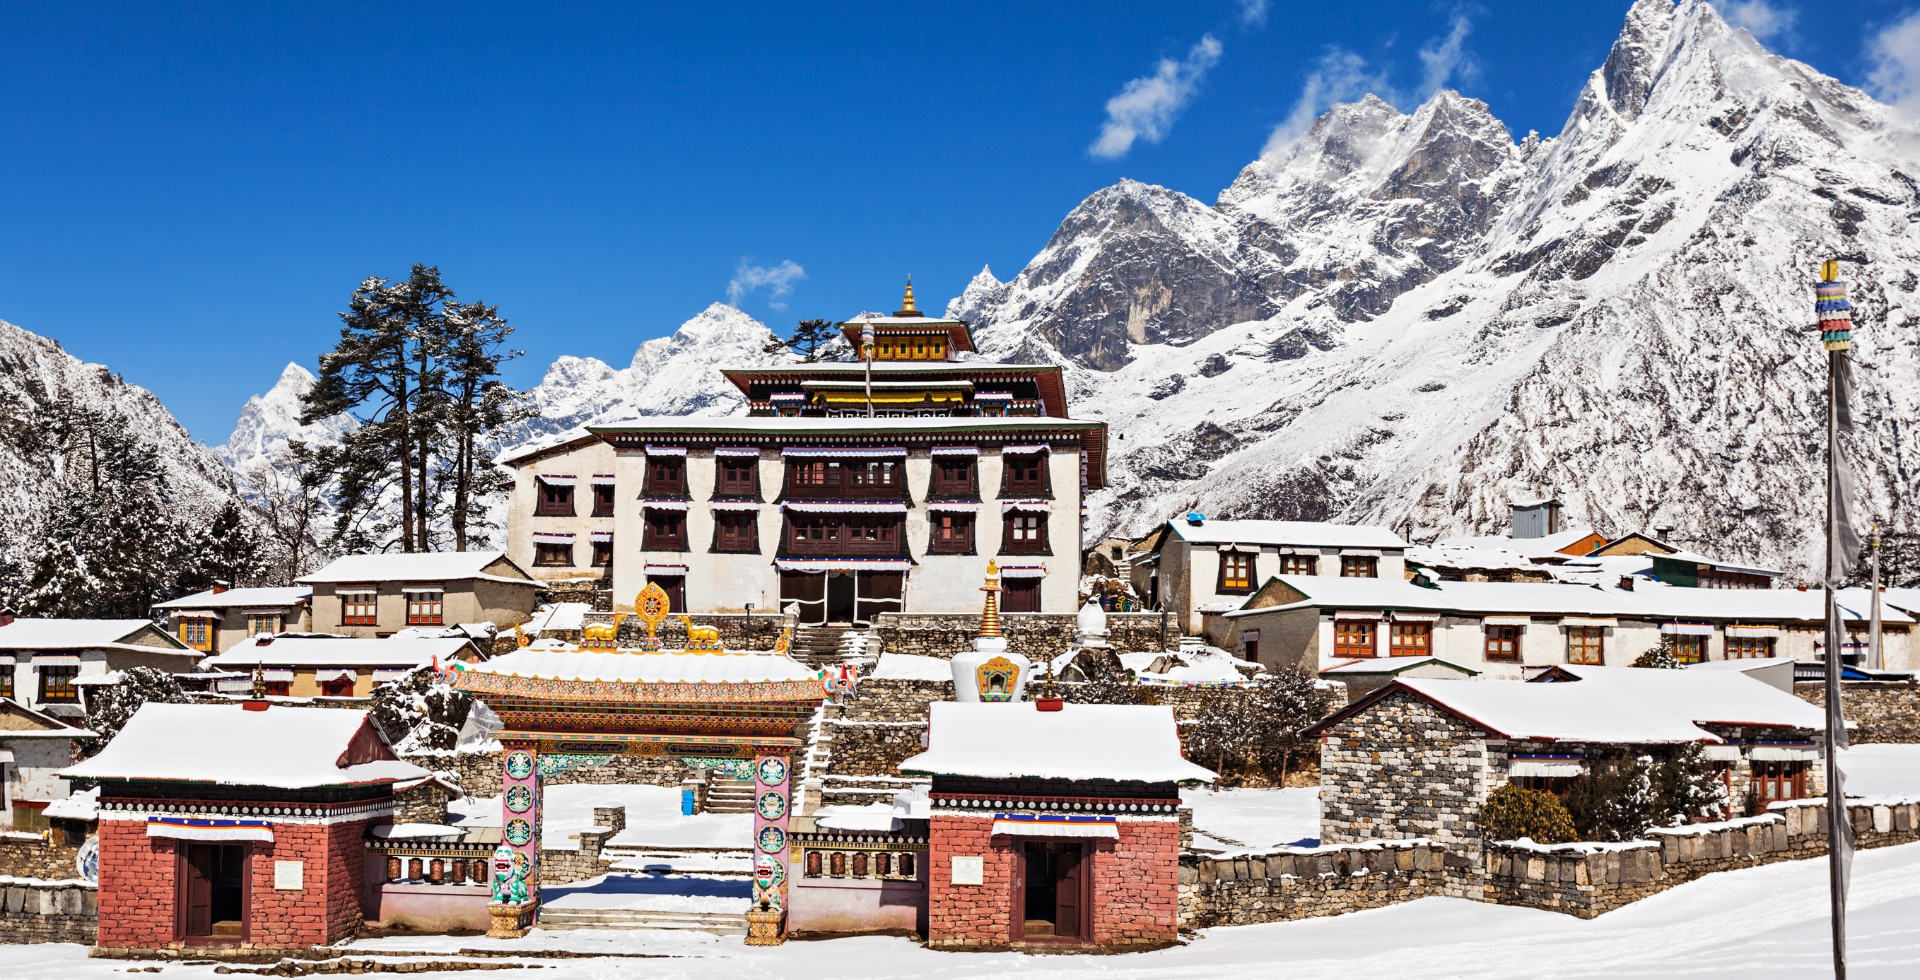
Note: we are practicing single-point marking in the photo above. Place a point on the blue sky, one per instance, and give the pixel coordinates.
(188, 192)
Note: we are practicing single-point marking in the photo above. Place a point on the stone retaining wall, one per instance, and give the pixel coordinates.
(479, 772)
(738, 631)
(1885, 712)
(1039, 636)
(38, 857)
(560, 867)
(1302, 883)
(873, 748)
(34, 910)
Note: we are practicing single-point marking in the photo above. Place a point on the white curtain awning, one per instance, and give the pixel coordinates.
(956, 450)
(1023, 571)
(1251, 549)
(557, 479)
(332, 674)
(664, 504)
(371, 589)
(603, 479)
(1720, 753)
(1549, 768)
(56, 660)
(735, 505)
(276, 674)
(961, 506)
(600, 536)
(842, 565)
(1576, 621)
(1058, 828)
(1414, 617)
(423, 587)
(548, 537)
(862, 507)
(196, 614)
(1754, 632)
(1359, 614)
(658, 569)
(1686, 629)
(736, 450)
(238, 685)
(1007, 506)
(1288, 550)
(1508, 620)
(666, 450)
(1784, 753)
(183, 829)
(1360, 552)
(383, 676)
(1036, 447)
(862, 452)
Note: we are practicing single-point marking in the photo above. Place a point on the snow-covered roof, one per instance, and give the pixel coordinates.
(285, 748)
(1700, 559)
(292, 595)
(1311, 534)
(83, 634)
(558, 616)
(1390, 665)
(428, 566)
(53, 727)
(342, 651)
(649, 667)
(1081, 741)
(80, 806)
(1613, 705)
(773, 425)
(1548, 544)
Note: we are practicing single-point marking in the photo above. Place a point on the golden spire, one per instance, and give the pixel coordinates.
(907, 309)
(990, 616)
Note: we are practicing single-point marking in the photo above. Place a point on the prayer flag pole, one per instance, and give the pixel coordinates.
(866, 354)
(1834, 313)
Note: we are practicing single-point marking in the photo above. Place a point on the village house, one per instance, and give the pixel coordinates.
(44, 661)
(214, 620)
(333, 666)
(1198, 565)
(238, 825)
(1542, 549)
(835, 498)
(1418, 757)
(379, 595)
(34, 747)
(1504, 630)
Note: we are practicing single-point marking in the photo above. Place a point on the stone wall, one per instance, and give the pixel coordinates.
(34, 910)
(1301, 883)
(873, 748)
(1405, 769)
(563, 866)
(1885, 712)
(1039, 636)
(44, 856)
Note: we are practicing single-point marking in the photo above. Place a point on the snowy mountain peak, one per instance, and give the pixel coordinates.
(717, 324)
(269, 421)
(984, 290)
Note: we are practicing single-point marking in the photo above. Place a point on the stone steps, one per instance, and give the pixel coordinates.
(729, 796)
(717, 923)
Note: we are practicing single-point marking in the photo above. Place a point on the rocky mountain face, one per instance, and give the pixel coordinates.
(270, 421)
(36, 372)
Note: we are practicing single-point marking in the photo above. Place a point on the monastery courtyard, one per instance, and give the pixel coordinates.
(1756, 923)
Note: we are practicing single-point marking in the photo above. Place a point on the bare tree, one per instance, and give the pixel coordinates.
(286, 492)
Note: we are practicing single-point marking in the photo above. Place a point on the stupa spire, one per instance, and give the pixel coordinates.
(906, 305)
(990, 615)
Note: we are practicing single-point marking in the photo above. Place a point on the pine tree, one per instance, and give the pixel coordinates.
(1687, 787)
(1286, 701)
(1613, 800)
(1899, 562)
(231, 550)
(1660, 657)
(475, 404)
(810, 341)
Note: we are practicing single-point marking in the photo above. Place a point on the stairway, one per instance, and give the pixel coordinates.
(718, 923)
(818, 646)
(726, 795)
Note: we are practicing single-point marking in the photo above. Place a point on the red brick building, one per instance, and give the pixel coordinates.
(237, 825)
(1053, 827)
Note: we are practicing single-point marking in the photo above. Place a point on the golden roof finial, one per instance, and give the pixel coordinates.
(990, 616)
(908, 309)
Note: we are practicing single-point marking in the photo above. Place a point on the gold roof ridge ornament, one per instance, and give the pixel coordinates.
(990, 615)
(906, 305)
(652, 606)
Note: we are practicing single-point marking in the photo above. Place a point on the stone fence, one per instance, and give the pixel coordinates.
(1586, 880)
(561, 866)
(43, 855)
(35, 910)
(1885, 711)
(1039, 636)
(1276, 885)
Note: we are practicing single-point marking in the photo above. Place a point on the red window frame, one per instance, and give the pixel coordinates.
(736, 531)
(1026, 534)
(737, 475)
(360, 608)
(603, 500)
(666, 530)
(666, 476)
(1503, 644)
(1774, 780)
(552, 554)
(339, 687)
(426, 612)
(950, 533)
(1355, 638)
(1024, 474)
(1410, 639)
(953, 475)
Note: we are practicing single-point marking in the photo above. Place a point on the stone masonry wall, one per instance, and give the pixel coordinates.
(38, 857)
(35, 910)
(1885, 712)
(479, 772)
(1039, 636)
(560, 867)
(1302, 883)
(1410, 771)
(738, 631)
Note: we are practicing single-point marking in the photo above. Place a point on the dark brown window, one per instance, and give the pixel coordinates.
(1356, 566)
(554, 500)
(1299, 565)
(1026, 534)
(1025, 475)
(6, 680)
(952, 534)
(603, 500)
(1778, 779)
(872, 473)
(821, 474)
(666, 530)
(813, 529)
(843, 534)
(550, 553)
(736, 530)
(359, 607)
(1503, 644)
(1020, 595)
(338, 687)
(1353, 638)
(602, 554)
(1236, 572)
(953, 476)
(1250, 646)
(675, 586)
(1743, 647)
(739, 476)
(666, 477)
(56, 684)
(1411, 639)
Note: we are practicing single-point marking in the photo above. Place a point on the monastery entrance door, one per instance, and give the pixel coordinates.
(808, 590)
(1051, 898)
(213, 886)
(840, 597)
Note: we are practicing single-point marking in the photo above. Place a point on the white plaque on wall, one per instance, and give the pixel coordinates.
(968, 871)
(288, 875)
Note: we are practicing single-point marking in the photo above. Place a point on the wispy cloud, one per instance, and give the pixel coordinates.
(1761, 18)
(1147, 106)
(1895, 52)
(1253, 13)
(1343, 76)
(778, 281)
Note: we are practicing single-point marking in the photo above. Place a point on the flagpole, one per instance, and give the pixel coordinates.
(866, 352)
(1874, 656)
(1833, 311)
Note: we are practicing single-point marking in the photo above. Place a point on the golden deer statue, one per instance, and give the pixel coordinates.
(701, 637)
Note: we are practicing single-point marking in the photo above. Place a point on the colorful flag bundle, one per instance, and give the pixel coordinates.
(1835, 314)
(866, 337)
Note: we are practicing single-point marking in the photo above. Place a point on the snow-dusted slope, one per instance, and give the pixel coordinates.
(269, 421)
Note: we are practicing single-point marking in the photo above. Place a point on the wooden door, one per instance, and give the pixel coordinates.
(1067, 884)
(808, 590)
(197, 889)
(1021, 595)
(675, 586)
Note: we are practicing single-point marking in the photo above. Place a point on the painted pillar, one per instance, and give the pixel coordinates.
(520, 804)
(772, 802)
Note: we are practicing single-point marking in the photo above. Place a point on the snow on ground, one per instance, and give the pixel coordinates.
(1253, 817)
(1756, 924)
(653, 817)
(910, 667)
(1881, 770)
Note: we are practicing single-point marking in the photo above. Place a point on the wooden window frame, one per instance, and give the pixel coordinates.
(1695, 648)
(1348, 642)
(6, 680)
(348, 603)
(1014, 523)
(197, 633)
(552, 500)
(666, 477)
(1583, 638)
(331, 689)
(421, 613)
(1029, 594)
(729, 486)
(1395, 648)
(961, 485)
(1240, 582)
(1749, 647)
(656, 540)
(1503, 644)
(745, 540)
(950, 533)
(603, 497)
(1789, 781)
(1299, 564)
(57, 683)
(256, 620)
(1348, 564)
(602, 554)
(1040, 486)
(544, 553)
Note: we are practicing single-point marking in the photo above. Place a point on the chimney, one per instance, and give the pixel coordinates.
(1664, 532)
(6, 616)
(1196, 518)
(1626, 583)
(219, 586)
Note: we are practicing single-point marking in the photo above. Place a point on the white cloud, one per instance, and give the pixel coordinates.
(1253, 13)
(778, 281)
(1761, 18)
(1147, 106)
(1445, 58)
(1339, 76)
(1895, 52)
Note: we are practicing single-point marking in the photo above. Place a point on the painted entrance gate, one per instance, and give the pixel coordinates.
(736, 711)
